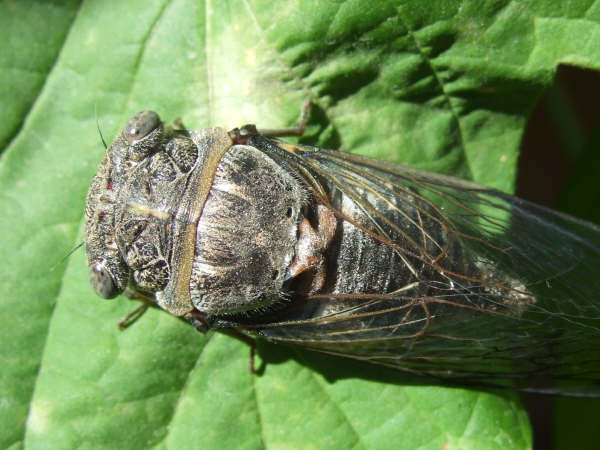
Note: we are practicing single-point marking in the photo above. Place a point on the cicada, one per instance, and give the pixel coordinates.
(437, 277)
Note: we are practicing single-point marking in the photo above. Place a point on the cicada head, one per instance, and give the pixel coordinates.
(108, 270)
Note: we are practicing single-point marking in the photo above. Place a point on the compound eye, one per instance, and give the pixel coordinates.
(141, 125)
(103, 282)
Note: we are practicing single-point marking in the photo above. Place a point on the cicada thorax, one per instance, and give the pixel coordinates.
(247, 235)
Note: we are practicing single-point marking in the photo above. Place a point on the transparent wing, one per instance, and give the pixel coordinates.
(499, 291)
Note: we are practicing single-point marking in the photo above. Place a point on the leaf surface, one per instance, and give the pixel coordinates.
(442, 85)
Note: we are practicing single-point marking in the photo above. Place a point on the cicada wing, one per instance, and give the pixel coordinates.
(505, 293)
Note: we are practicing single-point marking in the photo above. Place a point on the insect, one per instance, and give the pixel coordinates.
(428, 274)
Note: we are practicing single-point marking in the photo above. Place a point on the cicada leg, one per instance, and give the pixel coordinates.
(134, 315)
(200, 322)
(242, 135)
(298, 130)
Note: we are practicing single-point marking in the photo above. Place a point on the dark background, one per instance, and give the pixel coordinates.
(559, 167)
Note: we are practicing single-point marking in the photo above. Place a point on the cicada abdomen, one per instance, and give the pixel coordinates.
(345, 255)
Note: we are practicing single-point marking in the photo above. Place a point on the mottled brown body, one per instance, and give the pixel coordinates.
(424, 273)
(192, 219)
(247, 235)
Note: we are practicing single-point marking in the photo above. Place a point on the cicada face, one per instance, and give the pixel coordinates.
(120, 169)
(345, 255)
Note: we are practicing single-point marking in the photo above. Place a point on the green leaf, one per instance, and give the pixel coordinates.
(441, 85)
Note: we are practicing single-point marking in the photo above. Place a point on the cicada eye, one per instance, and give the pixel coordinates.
(141, 125)
(103, 281)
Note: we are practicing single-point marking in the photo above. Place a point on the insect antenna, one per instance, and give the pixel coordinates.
(67, 256)
(98, 127)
